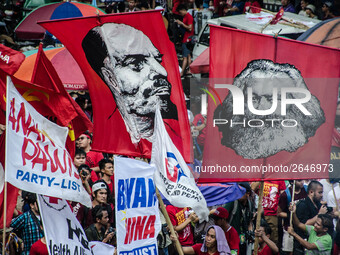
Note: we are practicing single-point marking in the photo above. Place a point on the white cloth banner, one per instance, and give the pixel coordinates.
(63, 232)
(36, 158)
(100, 248)
(137, 214)
(173, 177)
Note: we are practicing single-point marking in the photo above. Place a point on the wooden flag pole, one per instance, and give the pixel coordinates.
(336, 201)
(258, 219)
(291, 213)
(4, 220)
(168, 221)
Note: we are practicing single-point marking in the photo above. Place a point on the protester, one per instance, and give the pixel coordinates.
(100, 230)
(181, 219)
(283, 210)
(39, 247)
(287, 6)
(310, 11)
(327, 11)
(220, 215)
(266, 246)
(188, 26)
(319, 238)
(307, 211)
(13, 244)
(106, 169)
(79, 157)
(28, 226)
(215, 243)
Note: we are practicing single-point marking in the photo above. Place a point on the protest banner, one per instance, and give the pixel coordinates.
(100, 248)
(137, 214)
(278, 109)
(63, 232)
(36, 158)
(130, 66)
(173, 177)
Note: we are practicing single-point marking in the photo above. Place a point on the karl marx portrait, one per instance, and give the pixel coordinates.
(268, 137)
(130, 65)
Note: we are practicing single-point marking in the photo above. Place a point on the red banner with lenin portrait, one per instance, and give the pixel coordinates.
(131, 67)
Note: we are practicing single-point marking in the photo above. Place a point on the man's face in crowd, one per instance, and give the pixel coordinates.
(105, 219)
(210, 238)
(132, 4)
(101, 196)
(108, 170)
(79, 159)
(83, 141)
(317, 196)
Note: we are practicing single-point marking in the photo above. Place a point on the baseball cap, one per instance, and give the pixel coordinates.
(98, 186)
(221, 213)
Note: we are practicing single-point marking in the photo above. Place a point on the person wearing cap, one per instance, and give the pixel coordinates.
(134, 74)
(214, 243)
(310, 11)
(100, 192)
(220, 215)
(327, 11)
(92, 157)
(28, 226)
(241, 217)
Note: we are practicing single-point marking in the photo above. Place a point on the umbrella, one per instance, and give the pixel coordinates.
(32, 4)
(28, 29)
(201, 63)
(325, 33)
(65, 65)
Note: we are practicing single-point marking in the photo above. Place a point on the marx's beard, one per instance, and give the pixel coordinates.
(272, 137)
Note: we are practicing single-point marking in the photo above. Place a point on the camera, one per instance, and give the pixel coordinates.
(329, 209)
(83, 173)
(250, 236)
(111, 230)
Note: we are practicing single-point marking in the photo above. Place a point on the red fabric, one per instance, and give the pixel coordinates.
(177, 217)
(271, 194)
(197, 248)
(94, 176)
(10, 60)
(188, 20)
(278, 16)
(44, 74)
(39, 248)
(201, 63)
(233, 239)
(71, 33)
(12, 192)
(265, 251)
(227, 62)
(93, 158)
(255, 7)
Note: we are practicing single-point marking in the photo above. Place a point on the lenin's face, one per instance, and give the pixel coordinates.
(139, 83)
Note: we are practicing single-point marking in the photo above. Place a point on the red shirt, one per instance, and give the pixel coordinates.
(249, 7)
(233, 239)
(265, 251)
(177, 217)
(188, 20)
(93, 158)
(39, 248)
(271, 194)
(197, 249)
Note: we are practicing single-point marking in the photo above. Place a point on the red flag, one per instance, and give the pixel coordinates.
(10, 60)
(131, 67)
(12, 192)
(44, 74)
(277, 121)
(278, 16)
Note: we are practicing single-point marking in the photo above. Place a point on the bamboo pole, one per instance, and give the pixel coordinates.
(291, 213)
(336, 201)
(4, 219)
(258, 219)
(168, 221)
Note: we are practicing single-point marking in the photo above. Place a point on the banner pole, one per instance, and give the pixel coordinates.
(336, 201)
(258, 219)
(291, 213)
(4, 219)
(168, 221)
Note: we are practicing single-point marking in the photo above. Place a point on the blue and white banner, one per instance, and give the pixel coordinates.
(173, 177)
(36, 158)
(137, 213)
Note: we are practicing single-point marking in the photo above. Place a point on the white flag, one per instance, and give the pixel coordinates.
(36, 158)
(63, 232)
(137, 213)
(100, 248)
(173, 177)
